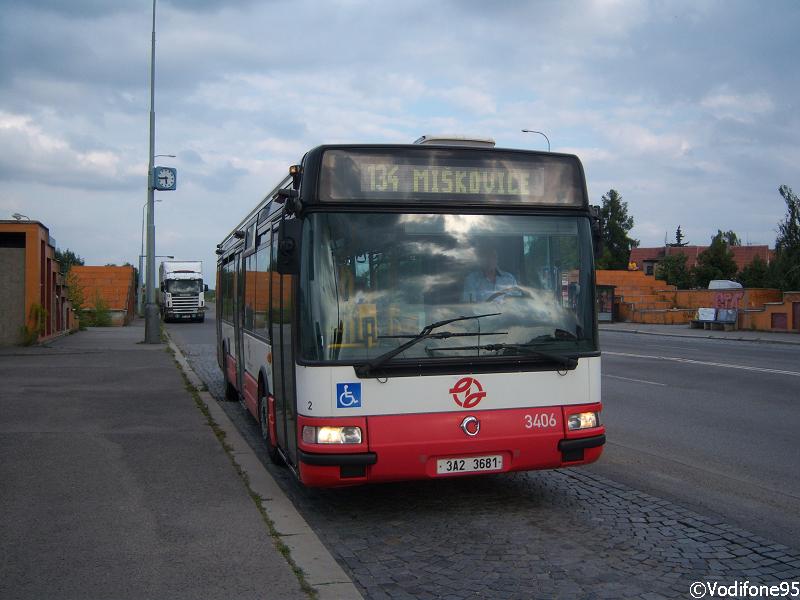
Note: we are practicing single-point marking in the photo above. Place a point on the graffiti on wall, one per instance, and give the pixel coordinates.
(728, 299)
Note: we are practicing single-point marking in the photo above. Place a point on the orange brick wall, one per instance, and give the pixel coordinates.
(115, 285)
(43, 282)
(741, 298)
(645, 299)
(630, 279)
(761, 320)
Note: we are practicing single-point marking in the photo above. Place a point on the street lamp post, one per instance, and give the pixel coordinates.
(152, 334)
(140, 295)
(540, 133)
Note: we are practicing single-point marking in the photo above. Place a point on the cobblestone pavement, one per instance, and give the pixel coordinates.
(550, 534)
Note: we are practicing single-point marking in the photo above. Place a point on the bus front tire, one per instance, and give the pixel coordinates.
(231, 395)
(263, 421)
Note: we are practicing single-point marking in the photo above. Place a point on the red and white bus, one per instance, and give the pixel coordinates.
(393, 312)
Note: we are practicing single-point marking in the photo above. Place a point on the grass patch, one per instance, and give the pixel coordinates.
(257, 499)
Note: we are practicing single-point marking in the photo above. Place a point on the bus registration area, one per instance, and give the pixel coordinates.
(474, 464)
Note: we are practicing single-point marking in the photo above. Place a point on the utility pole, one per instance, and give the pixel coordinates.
(152, 320)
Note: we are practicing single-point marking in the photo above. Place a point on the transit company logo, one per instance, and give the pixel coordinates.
(467, 392)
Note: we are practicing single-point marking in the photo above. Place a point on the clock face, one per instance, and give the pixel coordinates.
(164, 178)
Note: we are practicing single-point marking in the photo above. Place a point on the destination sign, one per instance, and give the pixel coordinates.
(387, 177)
(458, 175)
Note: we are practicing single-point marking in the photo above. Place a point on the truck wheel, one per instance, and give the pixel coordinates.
(201, 318)
(263, 421)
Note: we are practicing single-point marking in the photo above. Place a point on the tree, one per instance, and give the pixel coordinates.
(786, 266)
(673, 270)
(66, 259)
(679, 237)
(616, 223)
(730, 237)
(755, 275)
(715, 263)
(75, 296)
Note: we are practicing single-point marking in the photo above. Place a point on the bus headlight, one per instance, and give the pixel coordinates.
(584, 420)
(331, 435)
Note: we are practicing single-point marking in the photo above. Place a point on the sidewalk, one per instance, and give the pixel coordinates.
(686, 331)
(112, 484)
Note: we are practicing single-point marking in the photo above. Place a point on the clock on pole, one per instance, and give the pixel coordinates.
(164, 178)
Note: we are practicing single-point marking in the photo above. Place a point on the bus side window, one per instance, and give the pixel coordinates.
(227, 290)
(261, 276)
(249, 291)
(274, 294)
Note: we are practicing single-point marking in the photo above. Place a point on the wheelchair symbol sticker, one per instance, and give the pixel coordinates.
(348, 395)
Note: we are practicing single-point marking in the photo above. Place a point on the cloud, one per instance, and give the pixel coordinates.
(31, 154)
(686, 108)
(744, 107)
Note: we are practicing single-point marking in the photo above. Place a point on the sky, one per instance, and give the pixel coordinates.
(688, 108)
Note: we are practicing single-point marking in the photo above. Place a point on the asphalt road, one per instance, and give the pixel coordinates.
(709, 423)
(702, 489)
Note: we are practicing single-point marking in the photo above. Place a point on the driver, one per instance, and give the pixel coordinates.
(488, 283)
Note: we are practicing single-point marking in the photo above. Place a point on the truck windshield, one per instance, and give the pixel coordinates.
(370, 282)
(184, 286)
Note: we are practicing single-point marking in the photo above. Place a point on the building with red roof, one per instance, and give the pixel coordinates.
(646, 259)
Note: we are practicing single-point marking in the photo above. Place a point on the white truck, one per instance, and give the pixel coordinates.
(181, 288)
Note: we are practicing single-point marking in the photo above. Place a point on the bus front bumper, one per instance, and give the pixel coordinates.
(406, 447)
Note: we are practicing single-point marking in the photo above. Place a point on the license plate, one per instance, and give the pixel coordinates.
(470, 464)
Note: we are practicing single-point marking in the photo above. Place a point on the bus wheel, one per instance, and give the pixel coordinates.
(263, 420)
(231, 395)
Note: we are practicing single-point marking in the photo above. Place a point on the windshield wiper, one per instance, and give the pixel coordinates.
(365, 369)
(442, 335)
(565, 361)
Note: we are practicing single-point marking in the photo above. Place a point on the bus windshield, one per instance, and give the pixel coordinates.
(372, 281)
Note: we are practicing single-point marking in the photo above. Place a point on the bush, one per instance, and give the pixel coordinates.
(756, 274)
(674, 271)
(99, 315)
(29, 334)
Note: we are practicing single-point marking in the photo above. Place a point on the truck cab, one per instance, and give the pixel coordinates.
(181, 291)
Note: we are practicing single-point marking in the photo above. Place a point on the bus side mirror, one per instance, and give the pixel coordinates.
(288, 258)
(290, 197)
(597, 230)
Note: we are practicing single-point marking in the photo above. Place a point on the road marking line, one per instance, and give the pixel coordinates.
(707, 364)
(636, 380)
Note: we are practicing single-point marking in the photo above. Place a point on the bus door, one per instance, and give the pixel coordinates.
(238, 321)
(282, 314)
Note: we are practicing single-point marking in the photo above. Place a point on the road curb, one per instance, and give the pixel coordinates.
(702, 337)
(320, 569)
